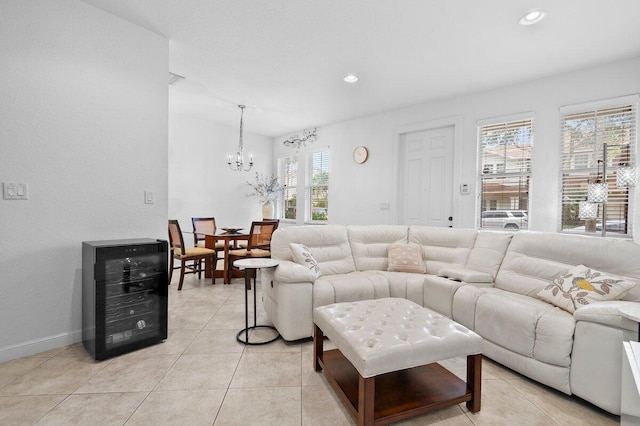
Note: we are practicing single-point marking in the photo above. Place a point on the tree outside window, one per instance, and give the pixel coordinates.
(318, 188)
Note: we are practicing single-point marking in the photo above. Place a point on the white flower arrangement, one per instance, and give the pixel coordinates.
(265, 189)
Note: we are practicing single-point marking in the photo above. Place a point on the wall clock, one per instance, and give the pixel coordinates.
(360, 154)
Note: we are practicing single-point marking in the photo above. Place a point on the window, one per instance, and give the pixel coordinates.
(504, 164)
(318, 186)
(585, 131)
(288, 167)
(314, 188)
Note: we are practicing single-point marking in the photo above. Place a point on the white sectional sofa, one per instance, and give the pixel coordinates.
(487, 281)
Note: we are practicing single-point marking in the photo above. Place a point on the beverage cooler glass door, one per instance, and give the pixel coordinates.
(130, 297)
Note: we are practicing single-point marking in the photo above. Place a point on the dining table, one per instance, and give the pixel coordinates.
(230, 240)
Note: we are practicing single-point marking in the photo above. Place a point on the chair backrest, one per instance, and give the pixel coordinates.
(175, 237)
(201, 226)
(260, 234)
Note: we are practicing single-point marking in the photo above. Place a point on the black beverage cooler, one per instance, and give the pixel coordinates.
(124, 295)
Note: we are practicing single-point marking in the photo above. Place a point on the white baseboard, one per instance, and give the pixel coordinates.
(40, 345)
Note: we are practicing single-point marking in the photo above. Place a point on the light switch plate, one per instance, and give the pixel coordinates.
(148, 197)
(15, 191)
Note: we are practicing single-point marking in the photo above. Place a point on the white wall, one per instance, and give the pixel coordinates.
(83, 107)
(356, 191)
(201, 184)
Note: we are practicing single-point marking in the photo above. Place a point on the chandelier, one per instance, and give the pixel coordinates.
(239, 161)
(298, 140)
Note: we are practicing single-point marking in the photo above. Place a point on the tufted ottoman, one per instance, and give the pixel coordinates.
(385, 368)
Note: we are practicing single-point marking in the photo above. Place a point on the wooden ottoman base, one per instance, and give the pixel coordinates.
(398, 395)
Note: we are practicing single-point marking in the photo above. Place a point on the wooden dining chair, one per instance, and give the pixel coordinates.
(202, 226)
(243, 243)
(186, 255)
(258, 245)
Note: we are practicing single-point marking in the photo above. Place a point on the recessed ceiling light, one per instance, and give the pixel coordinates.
(532, 17)
(351, 78)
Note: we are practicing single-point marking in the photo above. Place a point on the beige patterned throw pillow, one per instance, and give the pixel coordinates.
(302, 255)
(582, 285)
(406, 257)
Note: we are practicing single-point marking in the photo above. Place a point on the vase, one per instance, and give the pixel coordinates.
(268, 210)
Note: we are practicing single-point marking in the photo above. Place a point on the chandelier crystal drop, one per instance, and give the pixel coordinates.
(238, 165)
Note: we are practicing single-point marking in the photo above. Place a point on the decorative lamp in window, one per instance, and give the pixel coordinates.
(597, 192)
(587, 210)
(626, 176)
(596, 134)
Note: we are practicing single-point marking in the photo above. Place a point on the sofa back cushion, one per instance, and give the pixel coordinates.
(328, 244)
(369, 244)
(443, 247)
(534, 259)
(488, 251)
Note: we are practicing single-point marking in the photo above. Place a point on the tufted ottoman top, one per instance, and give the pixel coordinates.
(384, 335)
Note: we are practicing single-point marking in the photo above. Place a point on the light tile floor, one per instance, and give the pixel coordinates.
(202, 376)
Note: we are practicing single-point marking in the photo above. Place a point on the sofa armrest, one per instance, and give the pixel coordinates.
(291, 272)
(606, 313)
(466, 275)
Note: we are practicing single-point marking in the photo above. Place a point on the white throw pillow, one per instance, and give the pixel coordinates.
(405, 257)
(302, 255)
(581, 286)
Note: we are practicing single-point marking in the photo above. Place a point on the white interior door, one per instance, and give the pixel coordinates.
(426, 178)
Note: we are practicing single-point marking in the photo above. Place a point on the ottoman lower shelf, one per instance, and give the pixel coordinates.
(399, 394)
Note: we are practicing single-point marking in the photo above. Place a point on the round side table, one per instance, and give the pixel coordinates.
(249, 266)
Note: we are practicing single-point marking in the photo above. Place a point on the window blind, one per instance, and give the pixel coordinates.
(288, 169)
(583, 137)
(504, 169)
(318, 186)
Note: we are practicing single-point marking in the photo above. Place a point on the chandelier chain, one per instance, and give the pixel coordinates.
(239, 163)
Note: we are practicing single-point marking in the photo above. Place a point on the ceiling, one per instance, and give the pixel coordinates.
(285, 59)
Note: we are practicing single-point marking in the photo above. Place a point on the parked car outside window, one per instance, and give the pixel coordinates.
(504, 219)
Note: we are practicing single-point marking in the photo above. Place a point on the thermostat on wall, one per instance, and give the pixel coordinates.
(464, 188)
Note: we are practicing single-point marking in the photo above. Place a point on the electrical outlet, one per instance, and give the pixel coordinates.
(15, 191)
(385, 206)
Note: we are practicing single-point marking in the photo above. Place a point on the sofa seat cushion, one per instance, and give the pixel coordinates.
(349, 287)
(430, 291)
(405, 285)
(525, 325)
